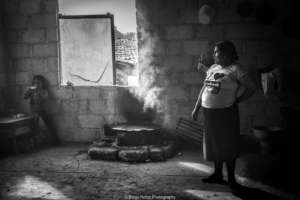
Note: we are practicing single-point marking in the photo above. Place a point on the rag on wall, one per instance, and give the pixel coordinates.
(270, 82)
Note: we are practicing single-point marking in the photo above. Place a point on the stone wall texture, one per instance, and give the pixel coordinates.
(170, 40)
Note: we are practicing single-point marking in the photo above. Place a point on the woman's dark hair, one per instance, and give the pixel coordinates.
(227, 48)
(41, 79)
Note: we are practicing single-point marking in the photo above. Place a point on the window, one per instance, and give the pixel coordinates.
(86, 50)
(95, 48)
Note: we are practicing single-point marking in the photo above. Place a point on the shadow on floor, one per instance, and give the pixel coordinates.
(247, 193)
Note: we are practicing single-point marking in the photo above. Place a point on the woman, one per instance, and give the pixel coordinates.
(38, 95)
(225, 85)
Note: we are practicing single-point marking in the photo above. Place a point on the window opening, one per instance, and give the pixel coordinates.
(98, 49)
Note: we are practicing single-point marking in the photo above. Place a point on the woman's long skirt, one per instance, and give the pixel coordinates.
(221, 133)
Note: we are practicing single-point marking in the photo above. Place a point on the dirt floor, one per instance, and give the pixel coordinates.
(67, 173)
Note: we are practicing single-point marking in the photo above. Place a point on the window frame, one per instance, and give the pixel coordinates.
(108, 15)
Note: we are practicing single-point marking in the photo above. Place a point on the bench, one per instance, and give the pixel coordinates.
(189, 131)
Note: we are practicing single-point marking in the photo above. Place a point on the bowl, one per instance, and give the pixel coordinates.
(265, 132)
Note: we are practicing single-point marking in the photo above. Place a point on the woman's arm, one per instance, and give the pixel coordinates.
(197, 105)
(28, 94)
(246, 88)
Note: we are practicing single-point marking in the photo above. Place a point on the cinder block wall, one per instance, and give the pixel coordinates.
(31, 36)
(170, 41)
(2, 67)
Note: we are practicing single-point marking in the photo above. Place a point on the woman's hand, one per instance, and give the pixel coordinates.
(195, 114)
(201, 67)
(28, 93)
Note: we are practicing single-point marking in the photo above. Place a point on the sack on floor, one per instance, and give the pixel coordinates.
(103, 153)
(156, 153)
(134, 154)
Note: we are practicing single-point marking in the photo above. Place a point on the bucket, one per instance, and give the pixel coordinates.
(270, 138)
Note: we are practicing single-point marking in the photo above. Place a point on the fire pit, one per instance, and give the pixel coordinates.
(133, 143)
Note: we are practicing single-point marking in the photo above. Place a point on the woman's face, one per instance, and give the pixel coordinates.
(37, 83)
(218, 58)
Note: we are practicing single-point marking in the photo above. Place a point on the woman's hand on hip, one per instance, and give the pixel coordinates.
(195, 114)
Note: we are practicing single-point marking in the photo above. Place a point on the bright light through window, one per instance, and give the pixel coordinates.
(97, 50)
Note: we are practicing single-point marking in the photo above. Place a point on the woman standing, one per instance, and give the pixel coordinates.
(225, 85)
(38, 95)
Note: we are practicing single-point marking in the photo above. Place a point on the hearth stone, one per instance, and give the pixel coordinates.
(133, 143)
(137, 135)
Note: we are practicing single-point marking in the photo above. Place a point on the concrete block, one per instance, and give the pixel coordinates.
(176, 4)
(52, 35)
(39, 65)
(187, 15)
(2, 79)
(178, 64)
(69, 106)
(52, 64)
(1, 49)
(93, 93)
(52, 78)
(2, 65)
(22, 65)
(90, 121)
(196, 47)
(11, 6)
(177, 93)
(23, 78)
(259, 47)
(192, 78)
(45, 50)
(111, 92)
(20, 50)
(33, 36)
(179, 32)
(17, 22)
(14, 36)
(37, 21)
(174, 48)
(11, 79)
(50, 20)
(248, 31)
(114, 119)
(174, 79)
(213, 32)
(51, 6)
(98, 107)
(248, 61)
(54, 106)
(83, 106)
(240, 46)
(64, 122)
(226, 16)
(30, 6)
(164, 17)
(63, 93)
(81, 93)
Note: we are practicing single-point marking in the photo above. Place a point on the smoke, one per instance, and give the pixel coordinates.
(149, 90)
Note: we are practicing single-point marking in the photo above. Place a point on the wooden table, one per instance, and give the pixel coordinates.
(13, 127)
